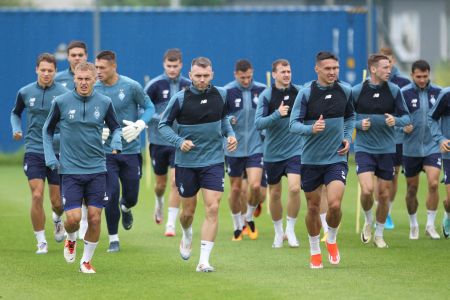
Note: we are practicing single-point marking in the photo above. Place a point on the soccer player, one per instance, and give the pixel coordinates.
(242, 99)
(400, 80)
(81, 115)
(379, 106)
(199, 158)
(162, 153)
(439, 122)
(127, 97)
(36, 98)
(282, 150)
(420, 151)
(76, 53)
(323, 113)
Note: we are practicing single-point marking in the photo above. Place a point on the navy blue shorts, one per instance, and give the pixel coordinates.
(127, 166)
(381, 164)
(276, 170)
(236, 165)
(398, 155)
(312, 176)
(90, 187)
(162, 157)
(190, 180)
(446, 171)
(414, 165)
(35, 168)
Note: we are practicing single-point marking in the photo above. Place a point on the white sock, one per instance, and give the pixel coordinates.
(40, 236)
(172, 215)
(205, 251)
(431, 216)
(88, 252)
(368, 215)
(160, 200)
(290, 224)
(237, 221)
(332, 233)
(323, 220)
(314, 244)
(187, 231)
(413, 220)
(250, 211)
(56, 218)
(278, 225)
(84, 213)
(243, 219)
(379, 229)
(72, 236)
(390, 206)
(124, 208)
(113, 238)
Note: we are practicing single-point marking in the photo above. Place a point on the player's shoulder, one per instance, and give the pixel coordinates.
(267, 93)
(30, 87)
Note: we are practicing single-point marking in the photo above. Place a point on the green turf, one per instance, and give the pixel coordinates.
(149, 265)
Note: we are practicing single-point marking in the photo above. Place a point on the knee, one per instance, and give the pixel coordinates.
(433, 186)
(37, 197)
(255, 187)
(72, 220)
(212, 210)
(367, 191)
(160, 186)
(334, 207)
(294, 189)
(94, 219)
(313, 208)
(235, 189)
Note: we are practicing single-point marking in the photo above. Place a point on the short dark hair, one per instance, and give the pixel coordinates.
(420, 64)
(107, 55)
(201, 61)
(322, 55)
(281, 61)
(46, 57)
(173, 54)
(76, 44)
(375, 58)
(243, 65)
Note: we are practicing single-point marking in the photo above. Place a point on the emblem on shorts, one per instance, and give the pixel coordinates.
(165, 94)
(121, 94)
(97, 112)
(237, 102)
(72, 113)
(343, 175)
(105, 198)
(25, 167)
(439, 162)
(181, 189)
(64, 200)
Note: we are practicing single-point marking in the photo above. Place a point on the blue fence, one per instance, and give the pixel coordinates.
(140, 37)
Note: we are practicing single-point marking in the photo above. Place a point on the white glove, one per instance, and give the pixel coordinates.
(105, 134)
(132, 130)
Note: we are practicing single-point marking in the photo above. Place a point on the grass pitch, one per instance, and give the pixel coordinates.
(149, 265)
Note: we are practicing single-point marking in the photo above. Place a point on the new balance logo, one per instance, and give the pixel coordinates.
(204, 101)
(286, 97)
(376, 95)
(328, 96)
